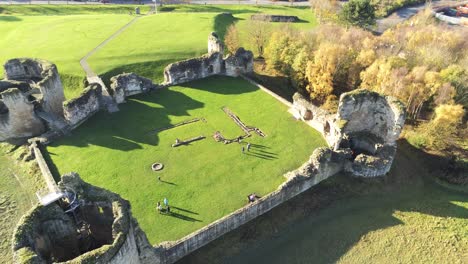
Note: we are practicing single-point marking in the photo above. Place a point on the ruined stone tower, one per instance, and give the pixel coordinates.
(31, 98)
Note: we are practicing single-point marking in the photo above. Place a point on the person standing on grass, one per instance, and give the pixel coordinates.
(248, 146)
(243, 150)
(159, 207)
(166, 202)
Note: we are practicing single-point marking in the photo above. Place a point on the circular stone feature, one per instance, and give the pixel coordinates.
(157, 166)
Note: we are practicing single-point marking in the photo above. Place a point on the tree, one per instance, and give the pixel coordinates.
(258, 32)
(324, 9)
(442, 130)
(358, 13)
(457, 76)
(231, 39)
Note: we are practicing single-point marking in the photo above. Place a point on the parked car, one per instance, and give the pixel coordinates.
(105, 1)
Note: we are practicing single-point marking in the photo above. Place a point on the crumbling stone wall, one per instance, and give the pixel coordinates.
(239, 63)
(274, 18)
(17, 118)
(215, 44)
(319, 167)
(128, 84)
(44, 76)
(31, 99)
(47, 234)
(78, 110)
(193, 69)
(363, 110)
(210, 64)
(318, 118)
(366, 125)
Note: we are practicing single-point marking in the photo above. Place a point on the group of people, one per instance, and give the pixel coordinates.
(160, 208)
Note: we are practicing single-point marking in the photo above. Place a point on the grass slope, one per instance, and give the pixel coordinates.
(63, 40)
(204, 180)
(405, 217)
(15, 200)
(64, 34)
(155, 41)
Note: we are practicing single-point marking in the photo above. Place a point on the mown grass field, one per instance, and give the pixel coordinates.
(62, 39)
(406, 217)
(64, 34)
(179, 32)
(203, 181)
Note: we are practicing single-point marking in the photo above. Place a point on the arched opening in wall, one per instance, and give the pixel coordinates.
(308, 115)
(210, 69)
(364, 143)
(326, 128)
(166, 77)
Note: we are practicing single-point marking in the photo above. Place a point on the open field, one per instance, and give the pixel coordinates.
(179, 33)
(203, 181)
(64, 34)
(403, 218)
(63, 40)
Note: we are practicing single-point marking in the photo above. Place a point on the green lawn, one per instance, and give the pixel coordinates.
(64, 34)
(204, 180)
(64, 40)
(153, 42)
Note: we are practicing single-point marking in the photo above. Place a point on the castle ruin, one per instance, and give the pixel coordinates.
(92, 225)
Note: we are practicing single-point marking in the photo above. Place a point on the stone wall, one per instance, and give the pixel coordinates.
(44, 76)
(239, 63)
(317, 169)
(274, 18)
(366, 127)
(210, 64)
(78, 110)
(193, 69)
(362, 110)
(17, 120)
(47, 234)
(128, 84)
(318, 118)
(215, 44)
(31, 100)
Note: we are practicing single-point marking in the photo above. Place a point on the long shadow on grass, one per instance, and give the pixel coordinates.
(183, 217)
(221, 85)
(184, 210)
(128, 129)
(322, 224)
(10, 18)
(262, 155)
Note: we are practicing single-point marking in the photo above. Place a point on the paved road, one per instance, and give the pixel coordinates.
(405, 13)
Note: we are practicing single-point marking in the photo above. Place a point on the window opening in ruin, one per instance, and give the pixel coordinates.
(210, 69)
(326, 128)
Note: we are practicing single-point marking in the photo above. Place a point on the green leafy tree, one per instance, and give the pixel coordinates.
(358, 13)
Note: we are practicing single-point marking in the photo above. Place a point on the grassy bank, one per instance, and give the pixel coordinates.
(18, 183)
(404, 217)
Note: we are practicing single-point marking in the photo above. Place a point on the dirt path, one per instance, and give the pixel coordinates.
(83, 62)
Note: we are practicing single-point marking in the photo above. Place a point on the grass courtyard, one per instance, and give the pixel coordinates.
(203, 181)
